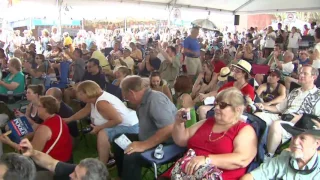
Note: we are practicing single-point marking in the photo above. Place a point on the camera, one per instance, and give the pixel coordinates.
(186, 115)
(86, 130)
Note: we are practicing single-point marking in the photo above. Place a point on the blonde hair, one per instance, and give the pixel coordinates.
(90, 88)
(45, 32)
(16, 63)
(234, 97)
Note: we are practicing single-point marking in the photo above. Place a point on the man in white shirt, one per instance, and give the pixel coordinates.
(294, 40)
(55, 37)
(302, 100)
(143, 37)
(312, 30)
(286, 66)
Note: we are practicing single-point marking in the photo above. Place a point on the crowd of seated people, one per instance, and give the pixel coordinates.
(162, 88)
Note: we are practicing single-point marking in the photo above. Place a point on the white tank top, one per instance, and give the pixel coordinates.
(129, 116)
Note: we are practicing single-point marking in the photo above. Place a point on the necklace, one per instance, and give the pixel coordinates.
(214, 140)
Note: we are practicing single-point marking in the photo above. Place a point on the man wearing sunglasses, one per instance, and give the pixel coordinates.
(302, 161)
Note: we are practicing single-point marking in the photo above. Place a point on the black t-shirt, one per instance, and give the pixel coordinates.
(249, 36)
(63, 170)
(98, 78)
(66, 112)
(155, 63)
(279, 38)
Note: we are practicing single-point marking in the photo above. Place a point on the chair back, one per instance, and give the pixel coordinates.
(64, 69)
(259, 127)
(260, 69)
(114, 90)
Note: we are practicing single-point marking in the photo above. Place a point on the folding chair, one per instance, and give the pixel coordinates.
(172, 153)
(260, 69)
(260, 127)
(114, 90)
(64, 76)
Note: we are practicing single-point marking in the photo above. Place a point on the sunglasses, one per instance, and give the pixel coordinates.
(222, 105)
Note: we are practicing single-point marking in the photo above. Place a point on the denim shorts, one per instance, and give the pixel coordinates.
(118, 130)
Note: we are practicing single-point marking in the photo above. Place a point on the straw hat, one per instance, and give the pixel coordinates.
(224, 73)
(128, 48)
(316, 64)
(243, 65)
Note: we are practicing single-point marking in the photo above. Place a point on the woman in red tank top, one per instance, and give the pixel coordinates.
(223, 140)
(52, 137)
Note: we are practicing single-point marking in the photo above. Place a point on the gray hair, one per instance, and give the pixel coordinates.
(289, 54)
(133, 82)
(18, 167)
(96, 170)
(314, 71)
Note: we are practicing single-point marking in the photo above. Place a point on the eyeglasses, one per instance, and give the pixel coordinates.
(236, 70)
(222, 105)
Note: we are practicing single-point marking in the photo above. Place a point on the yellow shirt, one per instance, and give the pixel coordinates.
(67, 41)
(102, 59)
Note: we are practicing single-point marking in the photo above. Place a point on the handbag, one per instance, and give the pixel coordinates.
(207, 172)
(56, 141)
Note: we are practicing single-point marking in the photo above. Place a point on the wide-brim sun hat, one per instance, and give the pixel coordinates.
(224, 74)
(304, 125)
(316, 64)
(243, 65)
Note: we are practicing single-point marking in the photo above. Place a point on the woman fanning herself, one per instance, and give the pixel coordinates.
(221, 141)
(52, 137)
(204, 81)
(109, 116)
(156, 83)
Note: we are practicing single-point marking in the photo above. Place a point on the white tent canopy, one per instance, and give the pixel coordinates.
(228, 6)
(240, 6)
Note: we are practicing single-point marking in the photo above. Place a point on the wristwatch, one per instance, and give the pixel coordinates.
(207, 159)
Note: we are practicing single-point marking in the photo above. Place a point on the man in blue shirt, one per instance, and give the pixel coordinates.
(302, 161)
(192, 53)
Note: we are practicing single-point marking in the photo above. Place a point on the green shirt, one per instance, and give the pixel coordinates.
(18, 78)
(170, 70)
(193, 116)
(278, 168)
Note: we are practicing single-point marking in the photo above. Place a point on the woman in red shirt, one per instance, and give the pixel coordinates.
(52, 137)
(221, 141)
(241, 74)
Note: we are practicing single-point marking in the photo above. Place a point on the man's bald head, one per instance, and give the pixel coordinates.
(55, 92)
